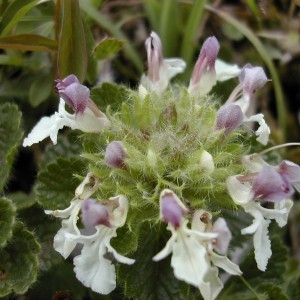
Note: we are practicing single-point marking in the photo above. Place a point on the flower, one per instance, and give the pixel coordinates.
(115, 155)
(160, 70)
(192, 249)
(87, 117)
(243, 194)
(231, 115)
(93, 267)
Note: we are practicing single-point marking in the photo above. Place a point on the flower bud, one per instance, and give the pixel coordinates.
(230, 116)
(115, 155)
(207, 163)
(172, 209)
(93, 214)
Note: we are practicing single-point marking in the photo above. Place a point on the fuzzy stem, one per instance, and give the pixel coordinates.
(250, 287)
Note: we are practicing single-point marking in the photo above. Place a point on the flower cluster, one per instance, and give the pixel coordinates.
(165, 144)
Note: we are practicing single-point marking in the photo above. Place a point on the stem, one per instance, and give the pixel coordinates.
(278, 147)
(250, 288)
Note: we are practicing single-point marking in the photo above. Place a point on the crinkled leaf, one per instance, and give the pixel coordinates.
(72, 52)
(67, 146)
(22, 200)
(109, 94)
(7, 220)
(107, 48)
(273, 291)
(10, 136)
(28, 42)
(14, 12)
(146, 279)
(56, 183)
(19, 261)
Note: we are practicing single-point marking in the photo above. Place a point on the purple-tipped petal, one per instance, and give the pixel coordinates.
(292, 172)
(270, 185)
(115, 155)
(229, 117)
(154, 56)
(94, 213)
(77, 96)
(206, 60)
(252, 79)
(63, 83)
(172, 211)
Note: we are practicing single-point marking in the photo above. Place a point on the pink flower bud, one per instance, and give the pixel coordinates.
(204, 74)
(172, 209)
(73, 93)
(94, 213)
(154, 56)
(115, 155)
(230, 116)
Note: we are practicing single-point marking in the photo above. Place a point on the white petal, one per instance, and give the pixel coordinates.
(47, 126)
(168, 248)
(64, 243)
(226, 71)
(224, 263)
(263, 131)
(212, 285)
(286, 206)
(174, 66)
(239, 192)
(189, 259)
(93, 270)
(253, 163)
(88, 122)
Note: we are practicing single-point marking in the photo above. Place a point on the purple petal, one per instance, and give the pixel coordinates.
(77, 96)
(229, 117)
(224, 236)
(206, 60)
(270, 185)
(252, 79)
(154, 56)
(62, 84)
(94, 213)
(292, 172)
(171, 211)
(115, 155)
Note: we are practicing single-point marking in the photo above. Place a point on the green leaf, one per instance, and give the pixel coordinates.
(7, 220)
(28, 42)
(10, 137)
(107, 48)
(19, 261)
(56, 185)
(22, 200)
(109, 94)
(72, 51)
(40, 89)
(146, 279)
(14, 12)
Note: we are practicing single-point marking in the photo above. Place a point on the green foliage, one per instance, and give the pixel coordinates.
(107, 48)
(56, 183)
(18, 261)
(72, 47)
(7, 220)
(10, 136)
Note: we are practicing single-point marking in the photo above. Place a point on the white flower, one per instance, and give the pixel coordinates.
(49, 126)
(242, 195)
(93, 266)
(192, 249)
